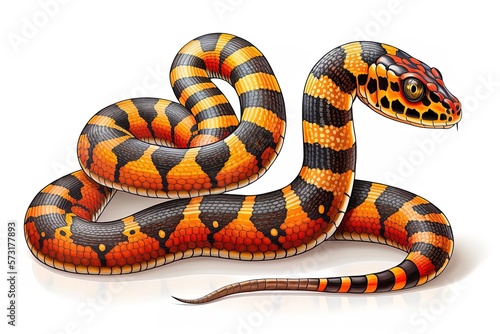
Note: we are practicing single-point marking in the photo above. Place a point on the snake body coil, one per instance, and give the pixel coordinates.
(204, 150)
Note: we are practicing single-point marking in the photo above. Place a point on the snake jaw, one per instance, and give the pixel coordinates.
(401, 118)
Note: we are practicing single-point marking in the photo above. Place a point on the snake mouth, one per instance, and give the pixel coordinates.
(428, 125)
(418, 122)
(434, 126)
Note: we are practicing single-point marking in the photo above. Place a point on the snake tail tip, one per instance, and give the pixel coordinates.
(186, 301)
(182, 300)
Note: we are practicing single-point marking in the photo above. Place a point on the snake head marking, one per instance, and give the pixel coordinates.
(403, 88)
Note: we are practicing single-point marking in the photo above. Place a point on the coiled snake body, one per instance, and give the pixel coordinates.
(205, 151)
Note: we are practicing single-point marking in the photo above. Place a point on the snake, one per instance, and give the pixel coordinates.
(192, 151)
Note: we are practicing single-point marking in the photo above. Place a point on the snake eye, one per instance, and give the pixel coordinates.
(413, 89)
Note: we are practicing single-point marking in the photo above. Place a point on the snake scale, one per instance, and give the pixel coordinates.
(197, 149)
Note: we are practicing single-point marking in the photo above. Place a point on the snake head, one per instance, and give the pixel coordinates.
(401, 87)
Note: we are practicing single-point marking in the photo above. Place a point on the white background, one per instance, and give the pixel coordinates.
(62, 61)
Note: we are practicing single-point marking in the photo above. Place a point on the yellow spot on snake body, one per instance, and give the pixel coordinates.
(102, 247)
(326, 88)
(353, 62)
(161, 234)
(215, 224)
(274, 232)
(336, 138)
(42, 234)
(321, 209)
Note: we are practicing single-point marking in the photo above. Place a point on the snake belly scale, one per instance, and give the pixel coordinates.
(198, 149)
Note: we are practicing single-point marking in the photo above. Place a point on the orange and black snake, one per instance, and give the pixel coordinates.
(195, 150)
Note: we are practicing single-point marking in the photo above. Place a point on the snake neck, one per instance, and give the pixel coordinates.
(328, 128)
